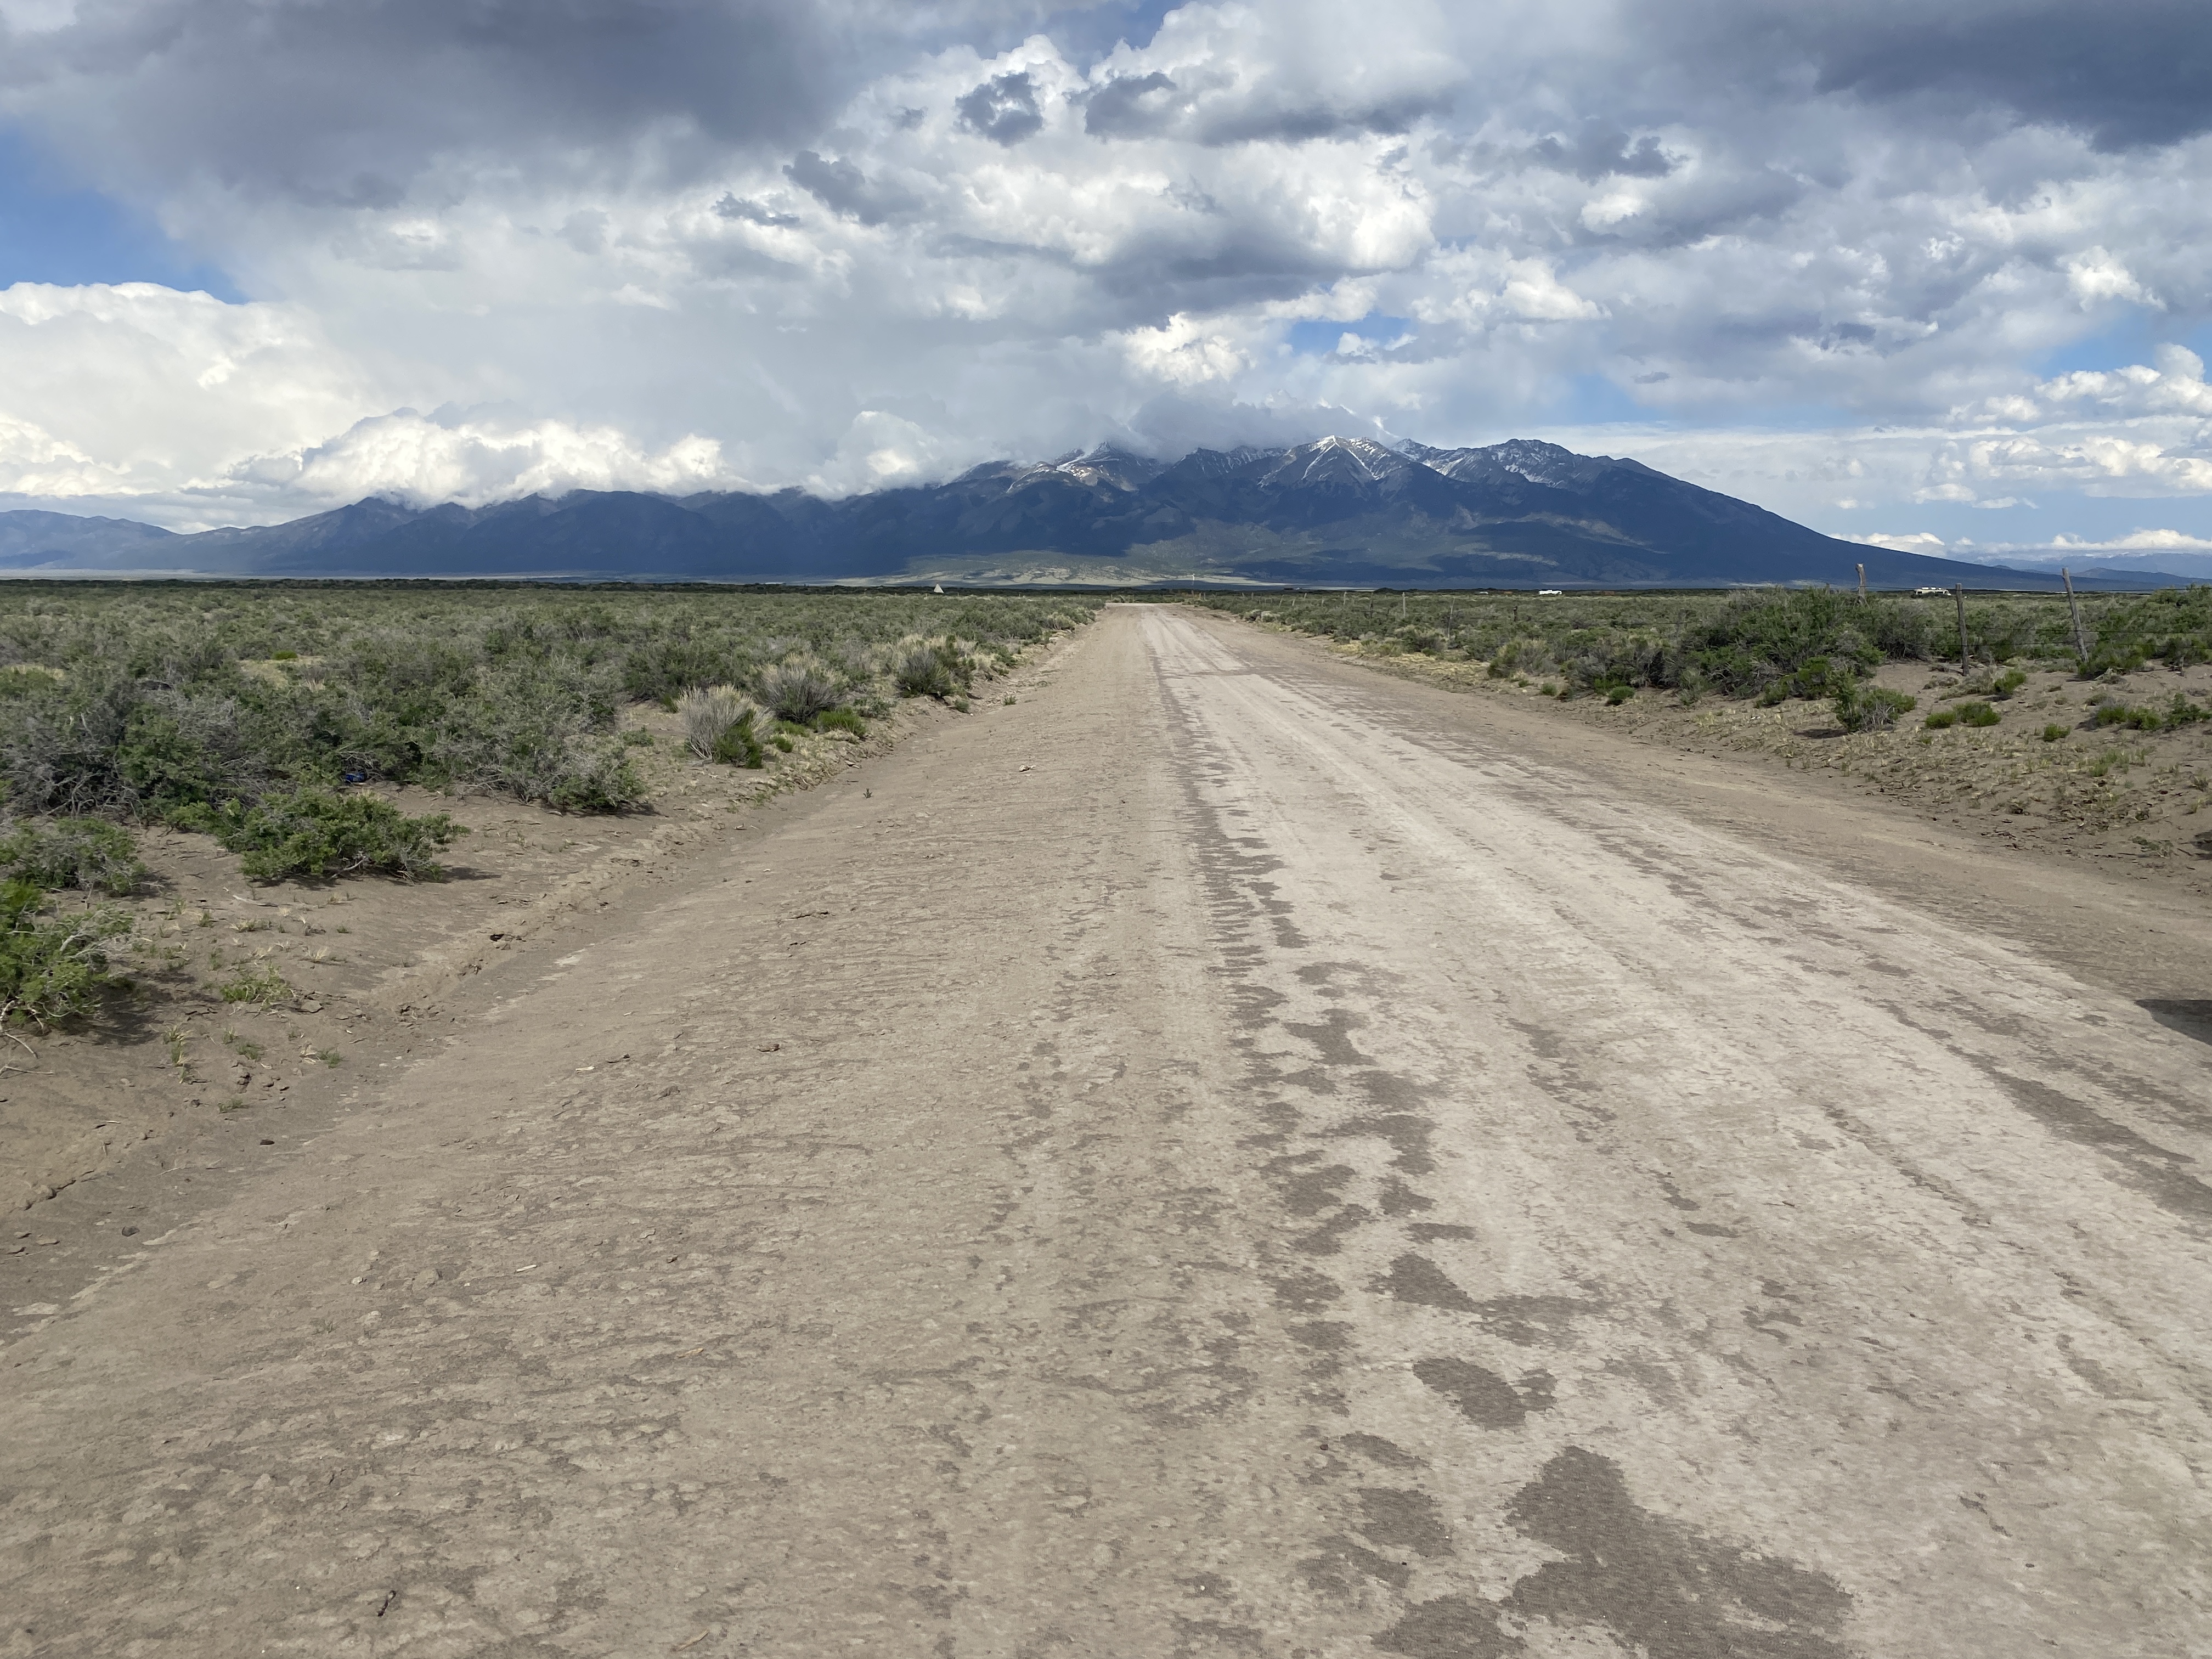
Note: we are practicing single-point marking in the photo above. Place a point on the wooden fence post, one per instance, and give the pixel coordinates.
(1965, 658)
(2074, 606)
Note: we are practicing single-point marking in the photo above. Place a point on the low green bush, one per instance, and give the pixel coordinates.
(90, 853)
(708, 715)
(1739, 644)
(2053, 732)
(259, 987)
(135, 702)
(318, 834)
(929, 671)
(53, 967)
(1862, 708)
(739, 743)
(799, 690)
(2181, 712)
(843, 719)
(1978, 713)
(1942, 720)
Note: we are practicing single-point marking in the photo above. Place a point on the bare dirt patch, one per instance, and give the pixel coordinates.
(250, 998)
(2133, 801)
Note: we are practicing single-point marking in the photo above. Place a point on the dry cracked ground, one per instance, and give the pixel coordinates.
(1231, 1155)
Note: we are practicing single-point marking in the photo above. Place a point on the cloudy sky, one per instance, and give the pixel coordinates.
(1925, 270)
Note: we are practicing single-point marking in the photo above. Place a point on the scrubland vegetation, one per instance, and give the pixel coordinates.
(1770, 643)
(2102, 753)
(269, 716)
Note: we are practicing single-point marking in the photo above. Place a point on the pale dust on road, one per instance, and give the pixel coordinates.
(1287, 1174)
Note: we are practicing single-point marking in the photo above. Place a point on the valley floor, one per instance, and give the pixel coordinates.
(1231, 1153)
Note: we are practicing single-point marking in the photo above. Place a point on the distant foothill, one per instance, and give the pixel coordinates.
(1336, 512)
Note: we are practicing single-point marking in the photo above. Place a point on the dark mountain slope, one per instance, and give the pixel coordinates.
(1342, 510)
(62, 539)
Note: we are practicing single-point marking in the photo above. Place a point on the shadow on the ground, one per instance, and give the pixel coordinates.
(2191, 1020)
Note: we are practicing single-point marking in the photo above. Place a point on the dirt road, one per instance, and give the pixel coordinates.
(1231, 1155)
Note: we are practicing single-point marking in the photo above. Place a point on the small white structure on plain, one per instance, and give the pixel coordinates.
(1551, 593)
(937, 587)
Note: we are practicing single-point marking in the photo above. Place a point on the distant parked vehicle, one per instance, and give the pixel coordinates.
(1550, 592)
(1930, 592)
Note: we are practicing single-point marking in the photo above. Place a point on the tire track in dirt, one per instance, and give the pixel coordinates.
(1208, 1160)
(1659, 1201)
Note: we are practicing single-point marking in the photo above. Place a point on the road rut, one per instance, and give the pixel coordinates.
(1209, 1160)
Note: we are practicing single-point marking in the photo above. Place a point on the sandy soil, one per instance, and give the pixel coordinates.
(363, 957)
(2127, 800)
(1230, 1154)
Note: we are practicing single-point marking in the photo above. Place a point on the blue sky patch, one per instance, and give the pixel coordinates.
(49, 233)
(1318, 339)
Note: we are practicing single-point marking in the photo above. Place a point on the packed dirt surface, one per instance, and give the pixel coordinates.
(1231, 1154)
(2045, 776)
(351, 961)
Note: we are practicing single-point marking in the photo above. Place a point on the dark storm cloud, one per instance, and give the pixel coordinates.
(843, 188)
(1151, 105)
(1600, 149)
(1129, 106)
(1725, 203)
(752, 212)
(2127, 72)
(2127, 75)
(1004, 109)
(346, 103)
(1260, 121)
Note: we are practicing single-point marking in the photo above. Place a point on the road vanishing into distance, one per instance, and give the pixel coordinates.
(1235, 1154)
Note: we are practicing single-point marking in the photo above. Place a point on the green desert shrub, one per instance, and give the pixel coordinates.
(318, 834)
(662, 670)
(259, 986)
(90, 853)
(151, 703)
(929, 669)
(740, 744)
(721, 725)
(799, 690)
(845, 719)
(1863, 707)
(1741, 644)
(592, 775)
(1978, 713)
(53, 965)
(708, 713)
(2181, 713)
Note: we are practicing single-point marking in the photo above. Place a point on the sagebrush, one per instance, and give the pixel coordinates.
(1769, 644)
(163, 702)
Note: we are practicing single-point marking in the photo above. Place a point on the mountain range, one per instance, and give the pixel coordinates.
(1336, 512)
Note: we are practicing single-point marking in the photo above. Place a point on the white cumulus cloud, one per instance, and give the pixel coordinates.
(1814, 256)
(404, 456)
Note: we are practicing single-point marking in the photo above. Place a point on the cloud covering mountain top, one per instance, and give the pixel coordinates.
(1889, 269)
